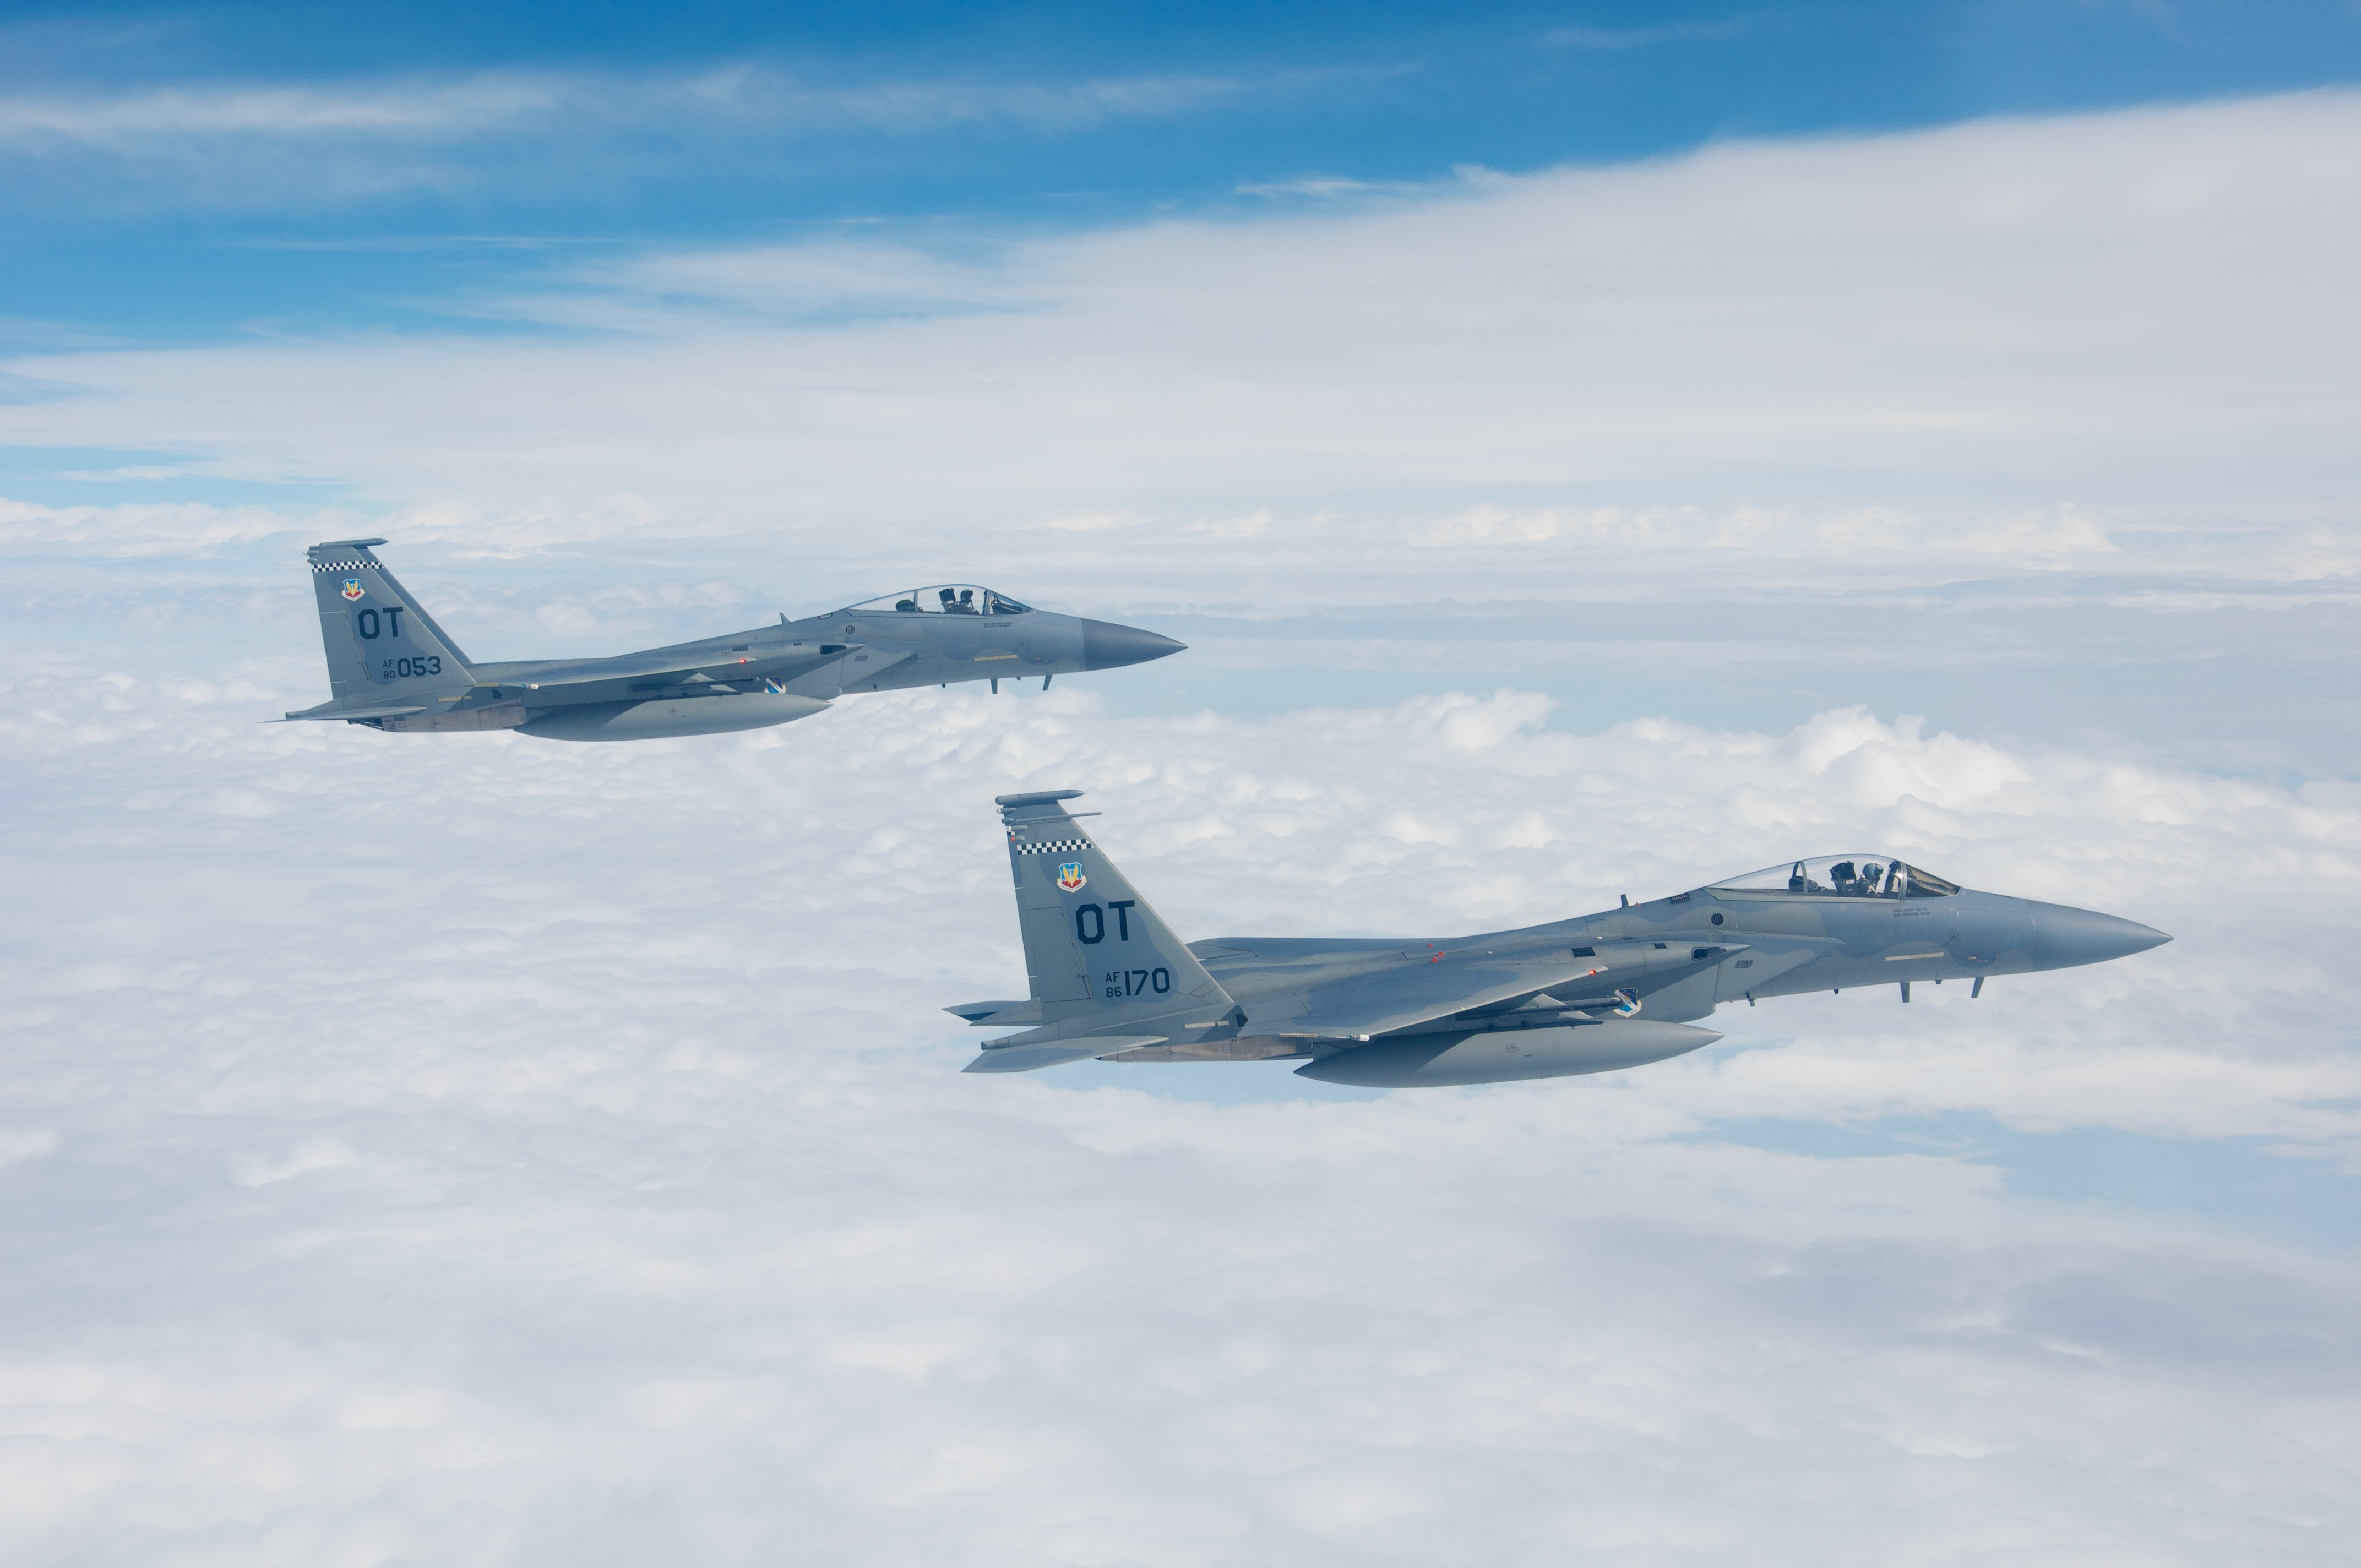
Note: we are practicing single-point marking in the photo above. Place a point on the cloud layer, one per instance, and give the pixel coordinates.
(2140, 309)
(301, 147)
(506, 1152)
(482, 1150)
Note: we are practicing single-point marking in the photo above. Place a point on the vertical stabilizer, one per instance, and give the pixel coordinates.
(380, 642)
(1095, 948)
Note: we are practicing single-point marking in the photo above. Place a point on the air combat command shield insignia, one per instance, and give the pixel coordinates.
(352, 588)
(1070, 877)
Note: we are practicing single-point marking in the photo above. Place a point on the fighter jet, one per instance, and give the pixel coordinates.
(1590, 994)
(390, 668)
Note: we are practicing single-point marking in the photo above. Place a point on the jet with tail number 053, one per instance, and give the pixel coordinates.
(391, 667)
(1111, 981)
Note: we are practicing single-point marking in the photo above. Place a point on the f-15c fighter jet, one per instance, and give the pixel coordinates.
(1110, 979)
(390, 668)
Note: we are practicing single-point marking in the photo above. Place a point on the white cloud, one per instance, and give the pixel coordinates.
(264, 145)
(1647, 37)
(1322, 185)
(134, 529)
(2134, 311)
(2060, 533)
(251, 1169)
(1090, 521)
(676, 1230)
(137, 529)
(457, 108)
(30, 1142)
(479, 1150)
(1250, 525)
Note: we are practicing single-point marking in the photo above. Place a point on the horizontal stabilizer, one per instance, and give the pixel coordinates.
(1054, 1053)
(358, 710)
(997, 1015)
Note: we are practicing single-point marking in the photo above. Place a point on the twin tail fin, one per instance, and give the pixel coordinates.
(381, 644)
(1107, 973)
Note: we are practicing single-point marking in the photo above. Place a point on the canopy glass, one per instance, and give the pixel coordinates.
(944, 599)
(1840, 876)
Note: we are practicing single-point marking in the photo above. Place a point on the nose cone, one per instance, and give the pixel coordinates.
(1107, 646)
(2064, 937)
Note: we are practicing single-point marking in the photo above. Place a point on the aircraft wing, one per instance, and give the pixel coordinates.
(1437, 982)
(725, 665)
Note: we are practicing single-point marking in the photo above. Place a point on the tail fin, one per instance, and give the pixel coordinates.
(1093, 947)
(380, 640)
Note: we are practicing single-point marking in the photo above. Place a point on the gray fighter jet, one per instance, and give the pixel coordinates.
(390, 668)
(1110, 979)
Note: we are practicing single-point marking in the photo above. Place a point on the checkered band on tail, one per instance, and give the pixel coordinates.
(1048, 846)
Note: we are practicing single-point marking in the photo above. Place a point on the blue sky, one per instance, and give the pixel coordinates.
(1589, 451)
(169, 174)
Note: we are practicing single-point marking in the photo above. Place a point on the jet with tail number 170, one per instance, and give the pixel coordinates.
(390, 668)
(1110, 979)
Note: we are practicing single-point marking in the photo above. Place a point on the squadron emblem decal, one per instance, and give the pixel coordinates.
(1070, 877)
(352, 588)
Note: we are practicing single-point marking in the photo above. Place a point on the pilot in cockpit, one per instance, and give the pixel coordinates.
(1852, 884)
(907, 607)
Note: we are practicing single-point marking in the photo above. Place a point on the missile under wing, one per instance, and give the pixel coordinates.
(1109, 978)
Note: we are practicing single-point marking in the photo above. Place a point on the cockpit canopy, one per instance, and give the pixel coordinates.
(1840, 876)
(944, 599)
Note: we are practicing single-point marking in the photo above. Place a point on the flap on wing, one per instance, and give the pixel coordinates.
(1054, 1053)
